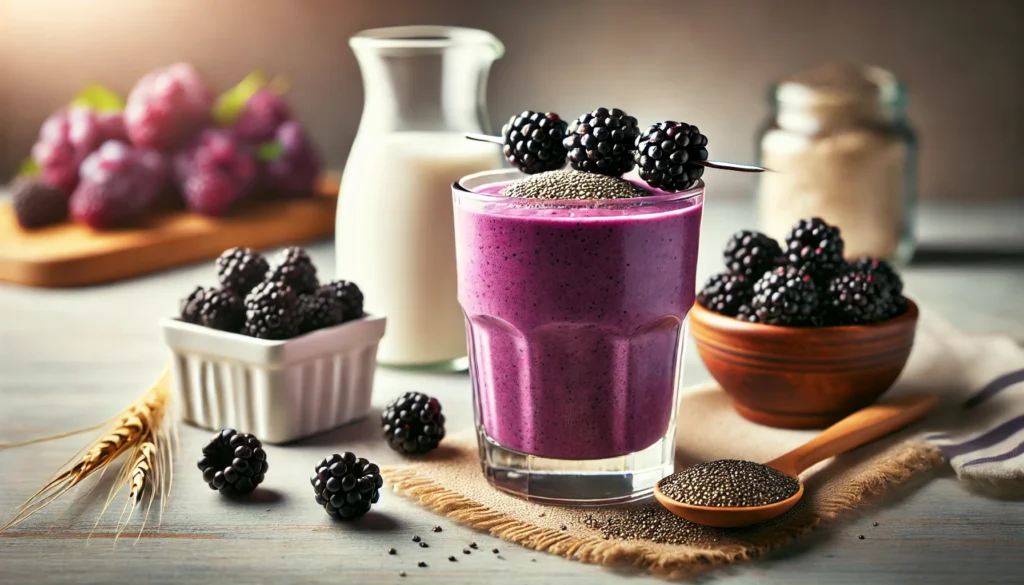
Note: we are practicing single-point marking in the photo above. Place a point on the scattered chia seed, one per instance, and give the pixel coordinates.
(860, 536)
(465, 551)
(392, 551)
(570, 184)
(653, 523)
(436, 529)
(533, 560)
(541, 515)
(874, 523)
(472, 545)
(415, 539)
(402, 574)
(452, 558)
(421, 564)
(729, 483)
(424, 545)
(564, 527)
(495, 551)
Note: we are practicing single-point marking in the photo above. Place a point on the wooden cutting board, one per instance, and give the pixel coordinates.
(68, 255)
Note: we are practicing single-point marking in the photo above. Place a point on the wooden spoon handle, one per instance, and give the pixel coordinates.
(859, 428)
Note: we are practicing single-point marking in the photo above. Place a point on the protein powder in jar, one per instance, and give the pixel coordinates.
(841, 149)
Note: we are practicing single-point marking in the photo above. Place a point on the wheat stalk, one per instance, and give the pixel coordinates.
(138, 429)
(142, 471)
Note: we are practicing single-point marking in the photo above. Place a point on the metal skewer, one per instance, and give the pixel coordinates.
(711, 164)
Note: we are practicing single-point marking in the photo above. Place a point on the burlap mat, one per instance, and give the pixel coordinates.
(450, 482)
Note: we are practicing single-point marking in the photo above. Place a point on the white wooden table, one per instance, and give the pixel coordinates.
(70, 358)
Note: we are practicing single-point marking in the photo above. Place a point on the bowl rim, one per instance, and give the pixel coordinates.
(720, 322)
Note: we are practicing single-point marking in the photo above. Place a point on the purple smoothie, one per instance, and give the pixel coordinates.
(575, 318)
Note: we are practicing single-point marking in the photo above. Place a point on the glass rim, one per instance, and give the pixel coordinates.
(502, 175)
(412, 39)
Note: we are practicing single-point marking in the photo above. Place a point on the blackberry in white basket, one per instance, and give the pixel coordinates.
(215, 308)
(413, 423)
(294, 267)
(270, 312)
(241, 269)
(319, 310)
(349, 296)
(233, 462)
(346, 485)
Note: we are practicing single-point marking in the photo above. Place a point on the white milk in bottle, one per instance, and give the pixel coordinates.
(395, 238)
(424, 89)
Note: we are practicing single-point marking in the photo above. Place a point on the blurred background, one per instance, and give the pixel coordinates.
(709, 63)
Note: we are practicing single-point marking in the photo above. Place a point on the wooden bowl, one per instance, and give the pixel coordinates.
(802, 378)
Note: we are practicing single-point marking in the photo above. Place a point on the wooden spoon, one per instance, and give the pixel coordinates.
(861, 427)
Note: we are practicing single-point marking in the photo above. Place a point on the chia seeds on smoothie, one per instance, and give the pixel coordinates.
(569, 184)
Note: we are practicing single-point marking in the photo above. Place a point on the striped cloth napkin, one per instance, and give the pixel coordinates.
(981, 379)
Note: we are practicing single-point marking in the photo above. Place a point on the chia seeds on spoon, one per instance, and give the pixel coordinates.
(569, 184)
(729, 483)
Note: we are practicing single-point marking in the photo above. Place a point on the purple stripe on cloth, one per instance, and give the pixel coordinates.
(996, 435)
(995, 387)
(1016, 451)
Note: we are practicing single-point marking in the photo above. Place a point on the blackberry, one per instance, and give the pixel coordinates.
(816, 246)
(294, 268)
(883, 269)
(746, 313)
(533, 142)
(37, 204)
(318, 310)
(413, 423)
(233, 462)
(751, 254)
(270, 311)
(725, 293)
(190, 304)
(219, 309)
(346, 485)
(667, 153)
(241, 269)
(350, 298)
(602, 142)
(785, 296)
(861, 297)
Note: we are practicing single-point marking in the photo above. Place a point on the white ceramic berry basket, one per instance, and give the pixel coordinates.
(278, 390)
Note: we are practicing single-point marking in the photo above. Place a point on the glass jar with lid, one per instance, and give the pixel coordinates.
(841, 148)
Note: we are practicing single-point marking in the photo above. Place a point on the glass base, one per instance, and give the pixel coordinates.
(455, 365)
(595, 482)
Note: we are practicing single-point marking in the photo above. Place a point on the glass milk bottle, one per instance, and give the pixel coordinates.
(424, 88)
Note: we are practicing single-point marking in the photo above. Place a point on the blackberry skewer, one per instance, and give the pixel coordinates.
(711, 164)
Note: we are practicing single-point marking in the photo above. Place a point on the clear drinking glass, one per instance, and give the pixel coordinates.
(424, 88)
(575, 314)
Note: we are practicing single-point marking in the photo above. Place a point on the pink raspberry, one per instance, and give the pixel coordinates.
(261, 116)
(118, 184)
(215, 172)
(295, 170)
(65, 139)
(167, 108)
